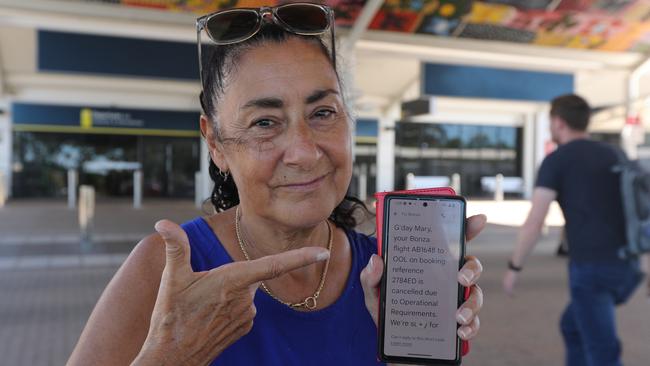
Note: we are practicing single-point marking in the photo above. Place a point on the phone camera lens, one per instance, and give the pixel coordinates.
(424, 204)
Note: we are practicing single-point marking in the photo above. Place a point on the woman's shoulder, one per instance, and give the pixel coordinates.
(364, 244)
(153, 243)
(121, 317)
(198, 228)
(206, 242)
(148, 255)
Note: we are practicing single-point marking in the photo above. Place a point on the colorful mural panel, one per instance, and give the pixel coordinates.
(611, 25)
(622, 25)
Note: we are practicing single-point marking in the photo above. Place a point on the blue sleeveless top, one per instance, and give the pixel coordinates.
(340, 334)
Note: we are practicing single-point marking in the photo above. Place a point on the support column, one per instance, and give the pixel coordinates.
(86, 215)
(5, 148)
(455, 183)
(543, 142)
(363, 182)
(137, 189)
(386, 149)
(206, 183)
(528, 158)
(632, 135)
(198, 199)
(73, 182)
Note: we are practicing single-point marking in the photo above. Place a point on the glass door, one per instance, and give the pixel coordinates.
(169, 165)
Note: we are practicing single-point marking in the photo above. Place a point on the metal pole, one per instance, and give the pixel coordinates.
(3, 190)
(632, 135)
(410, 181)
(528, 160)
(72, 188)
(498, 188)
(206, 182)
(197, 189)
(455, 182)
(86, 215)
(386, 149)
(137, 189)
(363, 182)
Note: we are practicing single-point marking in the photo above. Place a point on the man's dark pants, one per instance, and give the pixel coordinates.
(588, 324)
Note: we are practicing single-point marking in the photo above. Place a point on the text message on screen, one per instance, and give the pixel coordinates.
(423, 246)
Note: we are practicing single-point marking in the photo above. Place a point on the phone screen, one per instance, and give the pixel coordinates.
(423, 243)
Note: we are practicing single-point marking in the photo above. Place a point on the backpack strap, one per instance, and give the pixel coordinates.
(623, 160)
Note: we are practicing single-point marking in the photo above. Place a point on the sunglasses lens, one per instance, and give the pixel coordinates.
(304, 18)
(232, 26)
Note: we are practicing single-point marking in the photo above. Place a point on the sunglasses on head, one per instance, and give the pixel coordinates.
(237, 25)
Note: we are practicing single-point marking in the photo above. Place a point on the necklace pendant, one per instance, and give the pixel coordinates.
(310, 303)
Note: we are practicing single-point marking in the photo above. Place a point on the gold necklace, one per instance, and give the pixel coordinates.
(309, 302)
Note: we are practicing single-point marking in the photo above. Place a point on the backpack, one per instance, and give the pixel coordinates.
(635, 195)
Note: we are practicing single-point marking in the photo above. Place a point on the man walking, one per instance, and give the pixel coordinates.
(579, 176)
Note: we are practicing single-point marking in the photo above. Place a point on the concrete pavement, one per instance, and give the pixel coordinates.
(51, 222)
(49, 288)
(45, 234)
(42, 312)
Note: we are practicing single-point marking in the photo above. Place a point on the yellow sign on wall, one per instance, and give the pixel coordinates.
(86, 118)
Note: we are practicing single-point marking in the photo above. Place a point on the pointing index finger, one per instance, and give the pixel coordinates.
(272, 266)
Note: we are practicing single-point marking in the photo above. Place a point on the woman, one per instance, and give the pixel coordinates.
(277, 276)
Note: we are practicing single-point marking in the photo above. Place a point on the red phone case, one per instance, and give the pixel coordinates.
(442, 191)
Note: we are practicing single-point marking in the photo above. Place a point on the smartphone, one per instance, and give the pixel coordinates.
(423, 248)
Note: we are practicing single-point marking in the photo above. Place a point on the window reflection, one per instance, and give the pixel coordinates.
(469, 137)
(433, 136)
(507, 138)
(408, 134)
(491, 134)
(41, 161)
(453, 133)
(472, 151)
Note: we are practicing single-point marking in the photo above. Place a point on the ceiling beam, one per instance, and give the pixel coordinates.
(99, 19)
(361, 24)
(74, 16)
(491, 53)
(104, 10)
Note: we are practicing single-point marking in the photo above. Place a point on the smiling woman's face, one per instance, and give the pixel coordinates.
(285, 134)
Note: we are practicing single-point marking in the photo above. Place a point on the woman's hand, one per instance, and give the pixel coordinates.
(467, 314)
(198, 314)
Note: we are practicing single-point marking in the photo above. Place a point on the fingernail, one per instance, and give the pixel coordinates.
(464, 315)
(322, 255)
(370, 263)
(160, 229)
(466, 275)
(463, 332)
(480, 266)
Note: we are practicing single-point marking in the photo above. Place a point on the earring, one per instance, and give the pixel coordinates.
(224, 175)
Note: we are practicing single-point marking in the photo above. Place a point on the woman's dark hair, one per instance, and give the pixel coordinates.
(218, 65)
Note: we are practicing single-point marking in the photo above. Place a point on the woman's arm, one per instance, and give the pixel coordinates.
(158, 311)
(119, 323)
